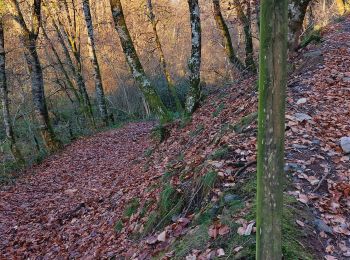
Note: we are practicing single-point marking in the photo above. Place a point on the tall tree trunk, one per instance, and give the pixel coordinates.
(163, 63)
(100, 96)
(245, 20)
(29, 38)
(272, 88)
(134, 63)
(296, 14)
(5, 100)
(195, 91)
(221, 24)
(38, 93)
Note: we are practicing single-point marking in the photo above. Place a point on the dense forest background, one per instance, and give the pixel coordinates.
(63, 48)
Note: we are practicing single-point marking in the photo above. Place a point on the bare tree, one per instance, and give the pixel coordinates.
(194, 64)
(29, 38)
(134, 63)
(221, 24)
(163, 63)
(100, 96)
(10, 135)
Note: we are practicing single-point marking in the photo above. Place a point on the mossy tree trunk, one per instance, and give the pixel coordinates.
(162, 60)
(222, 26)
(134, 63)
(296, 14)
(100, 96)
(195, 91)
(10, 136)
(272, 88)
(29, 39)
(248, 38)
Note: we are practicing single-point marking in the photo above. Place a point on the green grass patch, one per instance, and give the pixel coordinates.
(218, 110)
(131, 208)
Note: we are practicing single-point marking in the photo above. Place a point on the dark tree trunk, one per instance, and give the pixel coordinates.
(100, 96)
(221, 24)
(5, 100)
(163, 63)
(245, 20)
(296, 14)
(194, 64)
(134, 63)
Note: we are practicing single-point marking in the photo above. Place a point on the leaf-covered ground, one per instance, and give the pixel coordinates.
(79, 202)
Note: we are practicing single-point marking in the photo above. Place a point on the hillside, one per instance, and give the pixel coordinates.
(186, 190)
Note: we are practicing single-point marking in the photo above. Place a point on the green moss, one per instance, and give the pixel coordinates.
(245, 122)
(218, 110)
(208, 181)
(118, 226)
(310, 37)
(159, 133)
(148, 152)
(151, 222)
(131, 208)
(220, 153)
(199, 129)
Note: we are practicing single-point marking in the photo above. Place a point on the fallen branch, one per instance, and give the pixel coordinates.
(321, 181)
(244, 168)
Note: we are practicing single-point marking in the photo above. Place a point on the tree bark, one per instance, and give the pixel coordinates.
(221, 24)
(272, 95)
(249, 50)
(296, 14)
(162, 60)
(29, 38)
(100, 96)
(134, 63)
(10, 136)
(195, 91)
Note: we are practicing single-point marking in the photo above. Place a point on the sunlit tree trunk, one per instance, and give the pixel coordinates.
(29, 38)
(245, 20)
(340, 7)
(100, 96)
(272, 95)
(195, 91)
(163, 63)
(134, 63)
(296, 14)
(5, 100)
(221, 24)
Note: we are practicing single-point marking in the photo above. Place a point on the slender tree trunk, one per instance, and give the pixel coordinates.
(29, 37)
(195, 91)
(162, 60)
(249, 50)
(100, 96)
(78, 76)
(134, 63)
(5, 100)
(272, 88)
(296, 14)
(38, 93)
(221, 24)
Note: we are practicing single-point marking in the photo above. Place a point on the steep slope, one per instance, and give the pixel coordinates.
(121, 194)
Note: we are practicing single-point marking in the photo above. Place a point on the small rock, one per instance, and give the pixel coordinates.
(301, 101)
(329, 80)
(230, 197)
(313, 53)
(321, 226)
(299, 146)
(301, 117)
(346, 79)
(315, 141)
(70, 192)
(345, 144)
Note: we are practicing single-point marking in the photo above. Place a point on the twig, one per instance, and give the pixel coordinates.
(321, 181)
(244, 168)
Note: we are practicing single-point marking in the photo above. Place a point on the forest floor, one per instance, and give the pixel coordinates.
(94, 199)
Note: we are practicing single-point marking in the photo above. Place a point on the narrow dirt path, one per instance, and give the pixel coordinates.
(69, 205)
